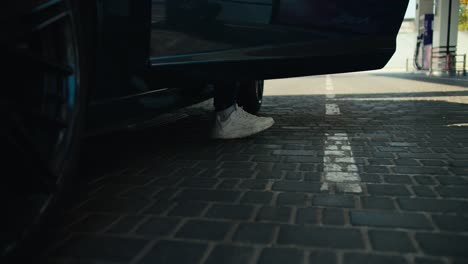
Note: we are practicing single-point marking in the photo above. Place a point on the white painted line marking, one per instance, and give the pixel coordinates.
(338, 138)
(349, 187)
(345, 160)
(340, 168)
(335, 176)
(332, 109)
(296, 127)
(328, 83)
(324, 187)
(329, 153)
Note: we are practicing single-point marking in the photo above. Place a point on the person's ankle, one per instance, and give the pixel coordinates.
(224, 114)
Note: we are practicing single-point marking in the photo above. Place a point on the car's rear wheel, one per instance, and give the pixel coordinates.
(251, 95)
(42, 115)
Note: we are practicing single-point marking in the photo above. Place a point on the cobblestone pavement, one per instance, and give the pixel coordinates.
(359, 168)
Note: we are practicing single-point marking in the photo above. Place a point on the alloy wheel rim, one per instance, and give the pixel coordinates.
(41, 113)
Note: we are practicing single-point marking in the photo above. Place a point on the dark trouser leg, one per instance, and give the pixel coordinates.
(225, 95)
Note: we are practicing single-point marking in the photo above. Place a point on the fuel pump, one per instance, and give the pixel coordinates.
(423, 51)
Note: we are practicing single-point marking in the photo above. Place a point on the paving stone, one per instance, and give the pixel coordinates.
(101, 248)
(295, 152)
(388, 189)
(422, 155)
(229, 254)
(420, 170)
(433, 205)
(320, 237)
(294, 186)
(275, 214)
(159, 207)
(313, 176)
(435, 163)
(285, 166)
(378, 203)
(334, 200)
(234, 157)
(439, 149)
(458, 156)
(236, 173)
(298, 199)
(391, 241)
(304, 159)
(188, 209)
(166, 251)
(307, 166)
(333, 216)
(165, 194)
(138, 179)
(451, 223)
(378, 162)
(118, 205)
(322, 257)
(208, 166)
(460, 261)
(292, 147)
(425, 180)
(420, 260)
(397, 179)
(94, 223)
(204, 230)
(452, 180)
(140, 192)
(113, 190)
(423, 191)
(307, 215)
(359, 258)
(237, 165)
(293, 176)
(208, 195)
(199, 182)
(230, 211)
(228, 184)
(281, 256)
(254, 184)
(407, 162)
(254, 233)
(186, 172)
(387, 155)
(266, 158)
(368, 177)
(392, 149)
(402, 144)
(459, 171)
(257, 197)
(158, 226)
(459, 150)
(459, 163)
(443, 244)
(273, 174)
(166, 181)
(389, 219)
(125, 225)
(453, 192)
(376, 169)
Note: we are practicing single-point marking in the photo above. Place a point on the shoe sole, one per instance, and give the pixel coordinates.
(263, 128)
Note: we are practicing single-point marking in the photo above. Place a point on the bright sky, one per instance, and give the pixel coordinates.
(411, 11)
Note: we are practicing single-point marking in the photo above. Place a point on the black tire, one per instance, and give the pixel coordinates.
(251, 95)
(44, 113)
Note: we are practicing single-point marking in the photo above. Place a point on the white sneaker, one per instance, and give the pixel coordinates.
(240, 124)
